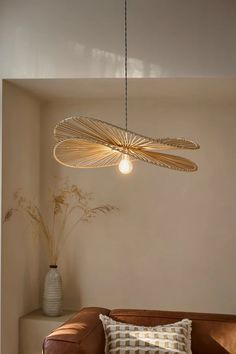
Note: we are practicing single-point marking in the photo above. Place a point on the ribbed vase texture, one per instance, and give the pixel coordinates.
(52, 295)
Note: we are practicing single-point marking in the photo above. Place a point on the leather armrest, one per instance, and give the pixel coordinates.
(82, 334)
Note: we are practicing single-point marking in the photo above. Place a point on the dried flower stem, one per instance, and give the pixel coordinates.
(67, 200)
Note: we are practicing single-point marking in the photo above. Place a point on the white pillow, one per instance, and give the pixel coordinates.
(124, 338)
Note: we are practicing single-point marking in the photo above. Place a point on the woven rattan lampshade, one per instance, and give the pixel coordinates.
(84, 142)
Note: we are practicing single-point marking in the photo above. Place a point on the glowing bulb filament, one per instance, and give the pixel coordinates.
(125, 165)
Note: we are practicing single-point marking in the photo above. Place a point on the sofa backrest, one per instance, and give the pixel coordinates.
(211, 334)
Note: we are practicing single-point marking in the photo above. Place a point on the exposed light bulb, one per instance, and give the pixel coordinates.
(125, 165)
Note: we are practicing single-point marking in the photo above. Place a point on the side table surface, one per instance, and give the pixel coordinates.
(35, 326)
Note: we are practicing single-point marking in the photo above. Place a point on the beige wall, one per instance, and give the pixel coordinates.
(172, 245)
(20, 262)
(1, 84)
(51, 39)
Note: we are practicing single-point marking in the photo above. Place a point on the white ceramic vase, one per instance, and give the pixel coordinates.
(52, 294)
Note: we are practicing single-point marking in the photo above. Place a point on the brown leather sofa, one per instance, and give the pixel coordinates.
(83, 334)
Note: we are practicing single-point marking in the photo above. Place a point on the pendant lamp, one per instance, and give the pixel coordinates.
(84, 142)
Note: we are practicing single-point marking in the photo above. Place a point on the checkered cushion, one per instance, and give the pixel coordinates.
(123, 338)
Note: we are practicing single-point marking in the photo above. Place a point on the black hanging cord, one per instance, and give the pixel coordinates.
(126, 68)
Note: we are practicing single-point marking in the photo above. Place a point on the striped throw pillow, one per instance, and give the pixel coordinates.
(123, 338)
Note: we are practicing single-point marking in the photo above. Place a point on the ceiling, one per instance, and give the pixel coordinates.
(165, 88)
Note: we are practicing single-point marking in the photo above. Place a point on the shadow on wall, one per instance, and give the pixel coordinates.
(111, 64)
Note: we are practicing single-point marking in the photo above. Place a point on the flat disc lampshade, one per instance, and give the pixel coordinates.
(84, 142)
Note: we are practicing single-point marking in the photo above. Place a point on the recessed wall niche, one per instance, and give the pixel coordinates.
(173, 238)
